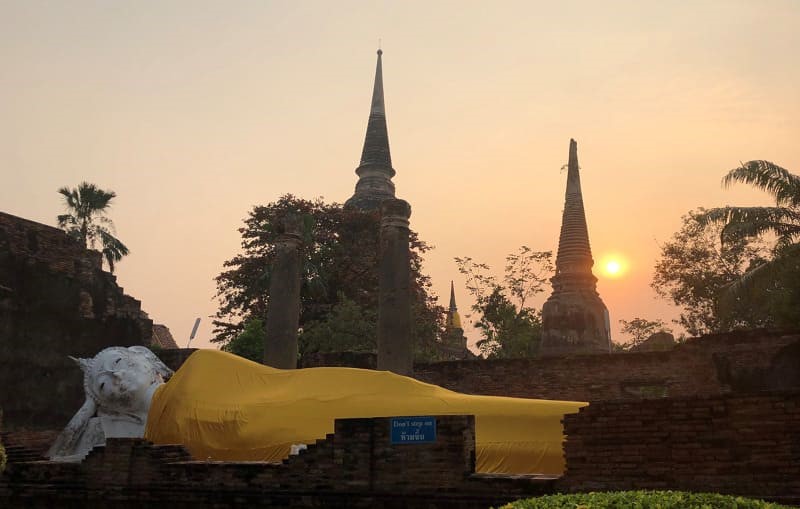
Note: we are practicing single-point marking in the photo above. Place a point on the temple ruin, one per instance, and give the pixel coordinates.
(375, 171)
(574, 318)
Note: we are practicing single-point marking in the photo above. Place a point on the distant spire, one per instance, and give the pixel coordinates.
(375, 169)
(574, 253)
(453, 318)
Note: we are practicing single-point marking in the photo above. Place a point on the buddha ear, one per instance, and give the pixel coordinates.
(84, 364)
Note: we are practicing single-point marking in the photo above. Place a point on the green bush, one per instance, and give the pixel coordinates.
(642, 500)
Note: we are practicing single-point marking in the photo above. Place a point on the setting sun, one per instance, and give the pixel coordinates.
(613, 266)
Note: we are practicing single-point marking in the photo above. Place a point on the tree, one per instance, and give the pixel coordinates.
(509, 326)
(249, 343)
(347, 328)
(694, 269)
(640, 329)
(773, 278)
(86, 221)
(340, 268)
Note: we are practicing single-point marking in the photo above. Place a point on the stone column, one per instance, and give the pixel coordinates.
(283, 309)
(395, 347)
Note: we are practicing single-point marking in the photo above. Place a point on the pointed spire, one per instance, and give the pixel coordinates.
(574, 252)
(375, 169)
(376, 142)
(574, 317)
(453, 318)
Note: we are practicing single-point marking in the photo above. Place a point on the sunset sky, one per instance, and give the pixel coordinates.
(194, 111)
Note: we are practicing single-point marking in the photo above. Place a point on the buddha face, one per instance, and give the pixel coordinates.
(122, 380)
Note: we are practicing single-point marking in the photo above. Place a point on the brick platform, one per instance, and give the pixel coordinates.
(709, 365)
(357, 466)
(737, 444)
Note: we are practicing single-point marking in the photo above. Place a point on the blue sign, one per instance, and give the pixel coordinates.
(413, 430)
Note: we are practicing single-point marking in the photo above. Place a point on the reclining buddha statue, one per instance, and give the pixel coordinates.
(224, 407)
(119, 384)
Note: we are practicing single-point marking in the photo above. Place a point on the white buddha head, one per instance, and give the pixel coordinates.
(122, 380)
(119, 383)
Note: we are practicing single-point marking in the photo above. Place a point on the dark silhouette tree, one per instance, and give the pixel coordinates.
(781, 222)
(86, 220)
(694, 270)
(339, 277)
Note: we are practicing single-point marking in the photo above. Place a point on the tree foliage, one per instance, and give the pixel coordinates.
(694, 269)
(249, 343)
(347, 328)
(86, 221)
(640, 329)
(773, 278)
(509, 326)
(339, 274)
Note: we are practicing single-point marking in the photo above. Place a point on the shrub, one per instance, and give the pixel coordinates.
(642, 500)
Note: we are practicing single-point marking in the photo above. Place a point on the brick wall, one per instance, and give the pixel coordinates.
(55, 301)
(714, 364)
(174, 357)
(742, 361)
(357, 466)
(738, 444)
(363, 360)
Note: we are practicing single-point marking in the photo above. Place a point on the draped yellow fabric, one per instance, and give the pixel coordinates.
(224, 407)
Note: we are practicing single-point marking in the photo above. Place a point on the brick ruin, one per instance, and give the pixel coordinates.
(741, 444)
(356, 466)
(742, 361)
(736, 444)
(55, 301)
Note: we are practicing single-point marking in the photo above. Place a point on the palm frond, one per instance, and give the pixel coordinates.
(94, 199)
(744, 222)
(761, 277)
(771, 178)
(113, 249)
(110, 242)
(70, 198)
(66, 220)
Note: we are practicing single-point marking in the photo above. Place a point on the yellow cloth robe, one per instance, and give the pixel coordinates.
(224, 407)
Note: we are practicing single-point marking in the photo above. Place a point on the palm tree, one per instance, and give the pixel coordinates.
(781, 221)
(86, 222)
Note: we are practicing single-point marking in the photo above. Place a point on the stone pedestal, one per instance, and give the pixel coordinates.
(283, 310)
(395, 347)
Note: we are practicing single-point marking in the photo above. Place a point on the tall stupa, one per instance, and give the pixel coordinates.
(574, 317)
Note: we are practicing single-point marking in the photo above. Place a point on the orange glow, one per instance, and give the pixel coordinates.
(613, 266)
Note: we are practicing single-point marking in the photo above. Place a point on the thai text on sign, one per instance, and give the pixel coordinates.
(413, 430)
